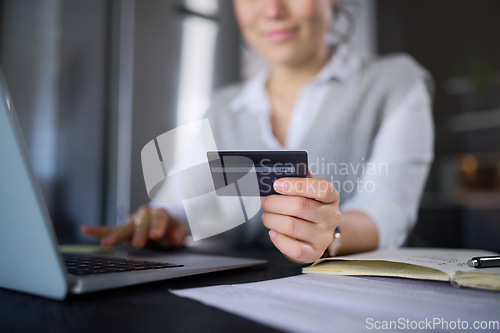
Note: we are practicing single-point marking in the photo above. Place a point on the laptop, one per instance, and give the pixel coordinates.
(30, 260)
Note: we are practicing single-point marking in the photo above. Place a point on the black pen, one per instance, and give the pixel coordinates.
(483, 262)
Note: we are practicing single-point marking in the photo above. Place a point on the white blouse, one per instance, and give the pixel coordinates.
(407, 135)
(404, 140)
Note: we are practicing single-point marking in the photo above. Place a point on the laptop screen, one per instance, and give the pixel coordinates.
(28, 247)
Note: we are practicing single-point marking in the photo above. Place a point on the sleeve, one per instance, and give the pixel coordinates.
(176, 210)
(183, 152)
(403, 153)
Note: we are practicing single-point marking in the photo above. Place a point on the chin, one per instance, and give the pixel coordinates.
(283, 56)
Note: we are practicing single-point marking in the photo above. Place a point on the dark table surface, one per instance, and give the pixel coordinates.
(152, 308)
(144, 308)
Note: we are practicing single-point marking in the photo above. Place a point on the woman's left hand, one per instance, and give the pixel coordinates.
(303, 219)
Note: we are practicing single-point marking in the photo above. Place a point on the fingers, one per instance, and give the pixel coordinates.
(317, 236)
(141, 222)
(291, 226)
(166, 230)
(298, 251)
(109, 235)
(302, 220)
(159, 221)
(119, 234)
(300, 207)
(176, 232)
(147, 224)
(318, 189)
(98, 232)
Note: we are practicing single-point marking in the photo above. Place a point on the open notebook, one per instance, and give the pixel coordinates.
(414, 263)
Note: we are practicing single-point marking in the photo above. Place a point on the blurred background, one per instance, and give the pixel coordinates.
(94, 80)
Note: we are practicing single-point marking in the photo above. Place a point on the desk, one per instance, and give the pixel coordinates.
(142, 308)
(150, 307)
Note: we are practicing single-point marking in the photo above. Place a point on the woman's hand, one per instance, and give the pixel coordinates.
(303, 219)
(148, 224)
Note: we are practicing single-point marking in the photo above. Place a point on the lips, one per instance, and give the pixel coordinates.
(280, 35)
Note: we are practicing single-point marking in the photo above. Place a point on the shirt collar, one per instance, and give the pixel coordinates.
(253, 95)
(342, 66)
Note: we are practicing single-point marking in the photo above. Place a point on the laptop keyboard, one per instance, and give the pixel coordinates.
(81, 264)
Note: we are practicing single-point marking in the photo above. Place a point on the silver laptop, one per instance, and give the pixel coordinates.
(30, 260)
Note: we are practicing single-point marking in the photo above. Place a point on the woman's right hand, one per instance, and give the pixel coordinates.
(148, 225)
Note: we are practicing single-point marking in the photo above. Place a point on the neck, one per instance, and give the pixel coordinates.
(289, 79)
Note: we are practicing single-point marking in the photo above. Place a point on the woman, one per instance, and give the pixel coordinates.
(366, 124)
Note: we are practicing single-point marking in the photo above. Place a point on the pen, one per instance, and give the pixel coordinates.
(484, 262)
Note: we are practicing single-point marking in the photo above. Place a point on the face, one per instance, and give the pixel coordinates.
(285, 32)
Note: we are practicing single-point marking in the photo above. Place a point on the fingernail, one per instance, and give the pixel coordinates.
(272, 234)
(155, 233)
(280, 186)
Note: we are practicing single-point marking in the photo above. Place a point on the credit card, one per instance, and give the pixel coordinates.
(253, 172)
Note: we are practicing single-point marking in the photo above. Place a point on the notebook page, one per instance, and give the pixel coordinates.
(448, 261)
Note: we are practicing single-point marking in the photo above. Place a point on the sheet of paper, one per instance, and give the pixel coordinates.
(448, 261)
(328, 303)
